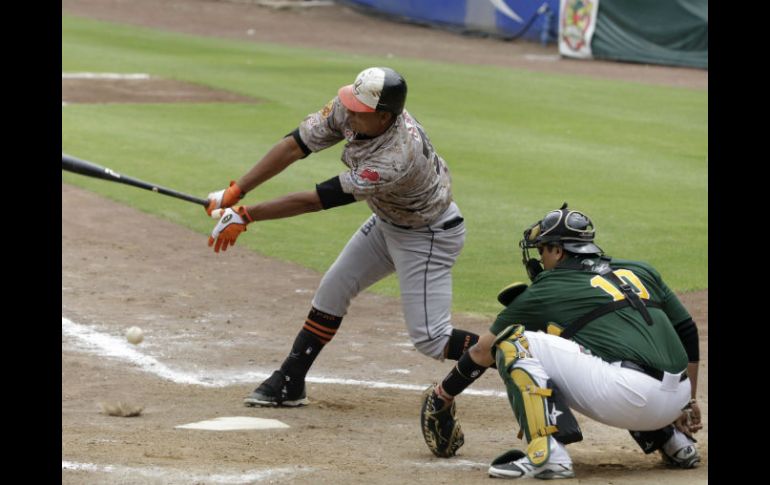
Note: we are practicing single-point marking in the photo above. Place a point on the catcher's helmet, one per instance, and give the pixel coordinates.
(375, 89)
(570, 229)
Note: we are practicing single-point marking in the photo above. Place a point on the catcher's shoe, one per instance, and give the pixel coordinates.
(515, 464)
(680, 451)
(441, 432)
(278, 390)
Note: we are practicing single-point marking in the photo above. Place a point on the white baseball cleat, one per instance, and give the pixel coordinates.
(680, 451)
(521, 467)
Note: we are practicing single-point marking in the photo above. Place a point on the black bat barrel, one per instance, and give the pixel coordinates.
(89, 169)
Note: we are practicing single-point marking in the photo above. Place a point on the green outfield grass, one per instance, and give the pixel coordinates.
(633, 156)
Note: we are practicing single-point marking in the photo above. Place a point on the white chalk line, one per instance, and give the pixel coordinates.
(92, 341)
(103, 75)
(399, 371)
(118, 348)
(544, 58)
(179, 476)
(450, 464)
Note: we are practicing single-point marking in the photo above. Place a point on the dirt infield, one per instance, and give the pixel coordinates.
(122, 268)
(150, 90)
(208, 340)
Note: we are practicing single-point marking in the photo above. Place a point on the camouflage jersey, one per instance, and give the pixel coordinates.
(398, 173)
(562, 295)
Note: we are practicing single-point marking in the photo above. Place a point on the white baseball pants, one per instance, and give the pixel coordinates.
(613, 395)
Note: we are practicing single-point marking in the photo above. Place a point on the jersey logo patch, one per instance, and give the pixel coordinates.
(326, 110)
(370, 175)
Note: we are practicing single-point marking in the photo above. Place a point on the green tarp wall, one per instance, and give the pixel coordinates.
(671, 32)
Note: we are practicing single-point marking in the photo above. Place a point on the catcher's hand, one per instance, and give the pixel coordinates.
(232, 223)
(224, 198)
(690, 421)
(442, 433)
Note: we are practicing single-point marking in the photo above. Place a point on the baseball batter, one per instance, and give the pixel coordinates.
(416, 230)
(602, 336)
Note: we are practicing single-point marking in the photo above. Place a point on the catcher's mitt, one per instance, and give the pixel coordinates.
(442, 433)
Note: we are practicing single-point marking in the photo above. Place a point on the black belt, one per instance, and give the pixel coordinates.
(447, 225)
(654, 373)
(396, 225)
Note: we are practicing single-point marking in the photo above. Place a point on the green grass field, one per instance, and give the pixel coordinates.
(632, 156)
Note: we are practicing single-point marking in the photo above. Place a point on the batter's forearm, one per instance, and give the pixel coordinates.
(283, 154)
(286, 206)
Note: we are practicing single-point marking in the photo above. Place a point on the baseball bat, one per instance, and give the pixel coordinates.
(90, 169)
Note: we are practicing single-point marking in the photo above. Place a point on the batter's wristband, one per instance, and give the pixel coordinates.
(241, 194)
(245, 214)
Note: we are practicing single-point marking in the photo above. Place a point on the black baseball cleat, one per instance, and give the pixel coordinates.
(278, 390)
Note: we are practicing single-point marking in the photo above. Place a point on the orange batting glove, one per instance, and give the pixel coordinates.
(231, 224)
(225, 198)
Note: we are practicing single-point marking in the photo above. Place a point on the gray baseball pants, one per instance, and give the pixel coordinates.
(422, 259)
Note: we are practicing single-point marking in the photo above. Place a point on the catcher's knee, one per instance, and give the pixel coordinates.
(510, 346)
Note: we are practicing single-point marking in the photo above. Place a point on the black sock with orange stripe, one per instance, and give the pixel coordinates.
(318, 331)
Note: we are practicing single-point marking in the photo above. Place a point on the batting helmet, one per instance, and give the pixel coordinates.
(375, 89)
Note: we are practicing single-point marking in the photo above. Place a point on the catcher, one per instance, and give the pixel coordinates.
(599, 335)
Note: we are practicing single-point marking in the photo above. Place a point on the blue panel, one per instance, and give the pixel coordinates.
(527, 11)
(452, 13)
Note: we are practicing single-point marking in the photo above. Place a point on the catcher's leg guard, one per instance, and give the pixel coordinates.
(568, 429)
(528, 397)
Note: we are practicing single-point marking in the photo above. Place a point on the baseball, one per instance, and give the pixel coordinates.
(134, 335)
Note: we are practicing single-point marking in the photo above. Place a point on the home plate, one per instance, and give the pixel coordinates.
(235, 423)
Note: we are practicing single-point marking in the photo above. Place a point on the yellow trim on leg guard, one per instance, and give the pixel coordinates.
(514, 346)
(528, 400)
(511, 332)
(536, 422)
(538, 450)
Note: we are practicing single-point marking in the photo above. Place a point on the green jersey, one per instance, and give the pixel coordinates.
(564, 294)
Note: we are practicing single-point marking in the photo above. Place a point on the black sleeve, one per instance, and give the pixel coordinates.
(303, 147)
(688, 334)
(331, 194)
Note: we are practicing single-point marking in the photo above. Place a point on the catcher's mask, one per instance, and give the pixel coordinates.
(570, 229)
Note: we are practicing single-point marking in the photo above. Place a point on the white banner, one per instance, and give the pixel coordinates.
(577, 22)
